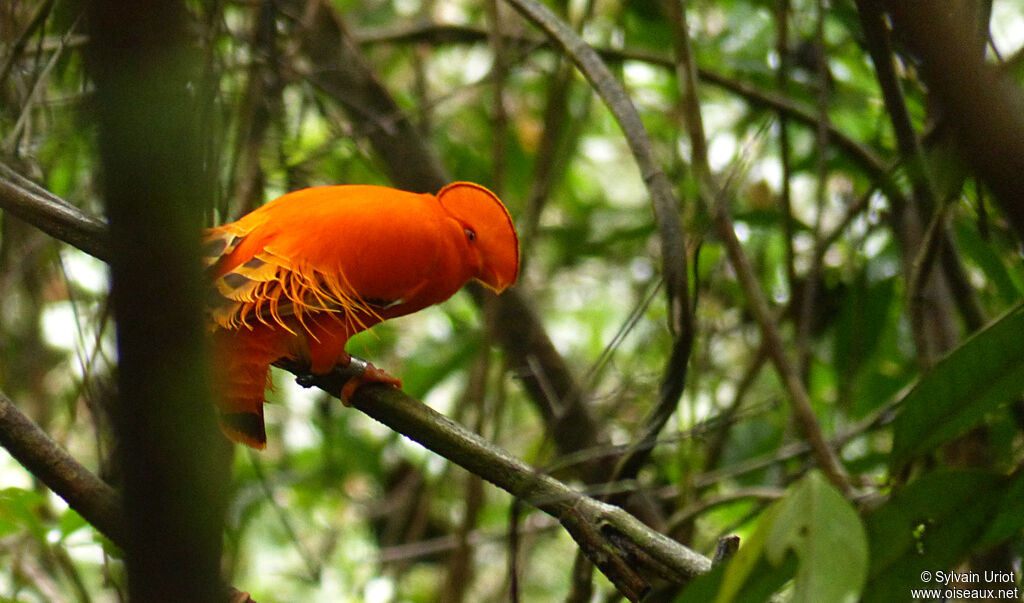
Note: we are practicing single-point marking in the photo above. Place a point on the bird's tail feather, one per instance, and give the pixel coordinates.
(244, 358)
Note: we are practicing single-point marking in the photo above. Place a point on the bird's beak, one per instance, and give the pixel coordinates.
(495, 281)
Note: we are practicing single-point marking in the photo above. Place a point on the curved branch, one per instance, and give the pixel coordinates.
(666, 206)
(666, 211)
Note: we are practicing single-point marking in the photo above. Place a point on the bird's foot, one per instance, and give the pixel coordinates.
(365, 373)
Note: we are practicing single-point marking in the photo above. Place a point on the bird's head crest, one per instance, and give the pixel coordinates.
(489, 230)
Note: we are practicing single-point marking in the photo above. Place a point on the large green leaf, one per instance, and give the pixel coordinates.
(812, 525)
(20, 508)
(865, 323)
(981, 375)
(822, 528)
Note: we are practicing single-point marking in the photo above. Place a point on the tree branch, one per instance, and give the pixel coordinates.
(91, 497)
(39, 207)
(981, 104)
(592, 523)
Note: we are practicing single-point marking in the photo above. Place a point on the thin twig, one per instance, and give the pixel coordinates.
(314, 567)
(808, 293)
(921, 271)
(11, 142)
(924, 284)
(715, 200)
(556, 139)
(690, 512)
(880, 417)
(782, 19)
(666, 211)
(801, 402)
(874, 166)
(499, 75)
(16, 49)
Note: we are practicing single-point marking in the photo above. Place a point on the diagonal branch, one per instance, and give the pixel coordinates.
(582, 516)
(49, 213)
(87, 494)
(593, 524)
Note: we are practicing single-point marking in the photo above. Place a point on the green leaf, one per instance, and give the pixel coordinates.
(1009, 517)
(763, 580)
(746, 559)
(929, 525)
(422, 373)
(984, 373)
(7, 526)
(825, 532)
(986, 258)
(70, 522)
(866, 317)
(20, 507)
(813, 532)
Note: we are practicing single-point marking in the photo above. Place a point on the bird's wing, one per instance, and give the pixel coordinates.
(268, 287)
(353, 250)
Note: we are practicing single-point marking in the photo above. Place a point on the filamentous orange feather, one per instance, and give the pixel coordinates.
(299, 276)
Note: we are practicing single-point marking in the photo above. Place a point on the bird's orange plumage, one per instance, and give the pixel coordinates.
(299, 276)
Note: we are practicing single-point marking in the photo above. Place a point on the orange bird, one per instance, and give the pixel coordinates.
(299, 276)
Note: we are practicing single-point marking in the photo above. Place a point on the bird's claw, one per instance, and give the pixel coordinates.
(306, 380)
(365, 373)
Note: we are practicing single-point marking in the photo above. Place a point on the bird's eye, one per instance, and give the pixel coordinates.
(470, 234)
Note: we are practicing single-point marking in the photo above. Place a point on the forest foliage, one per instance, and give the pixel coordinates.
(770, 289)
